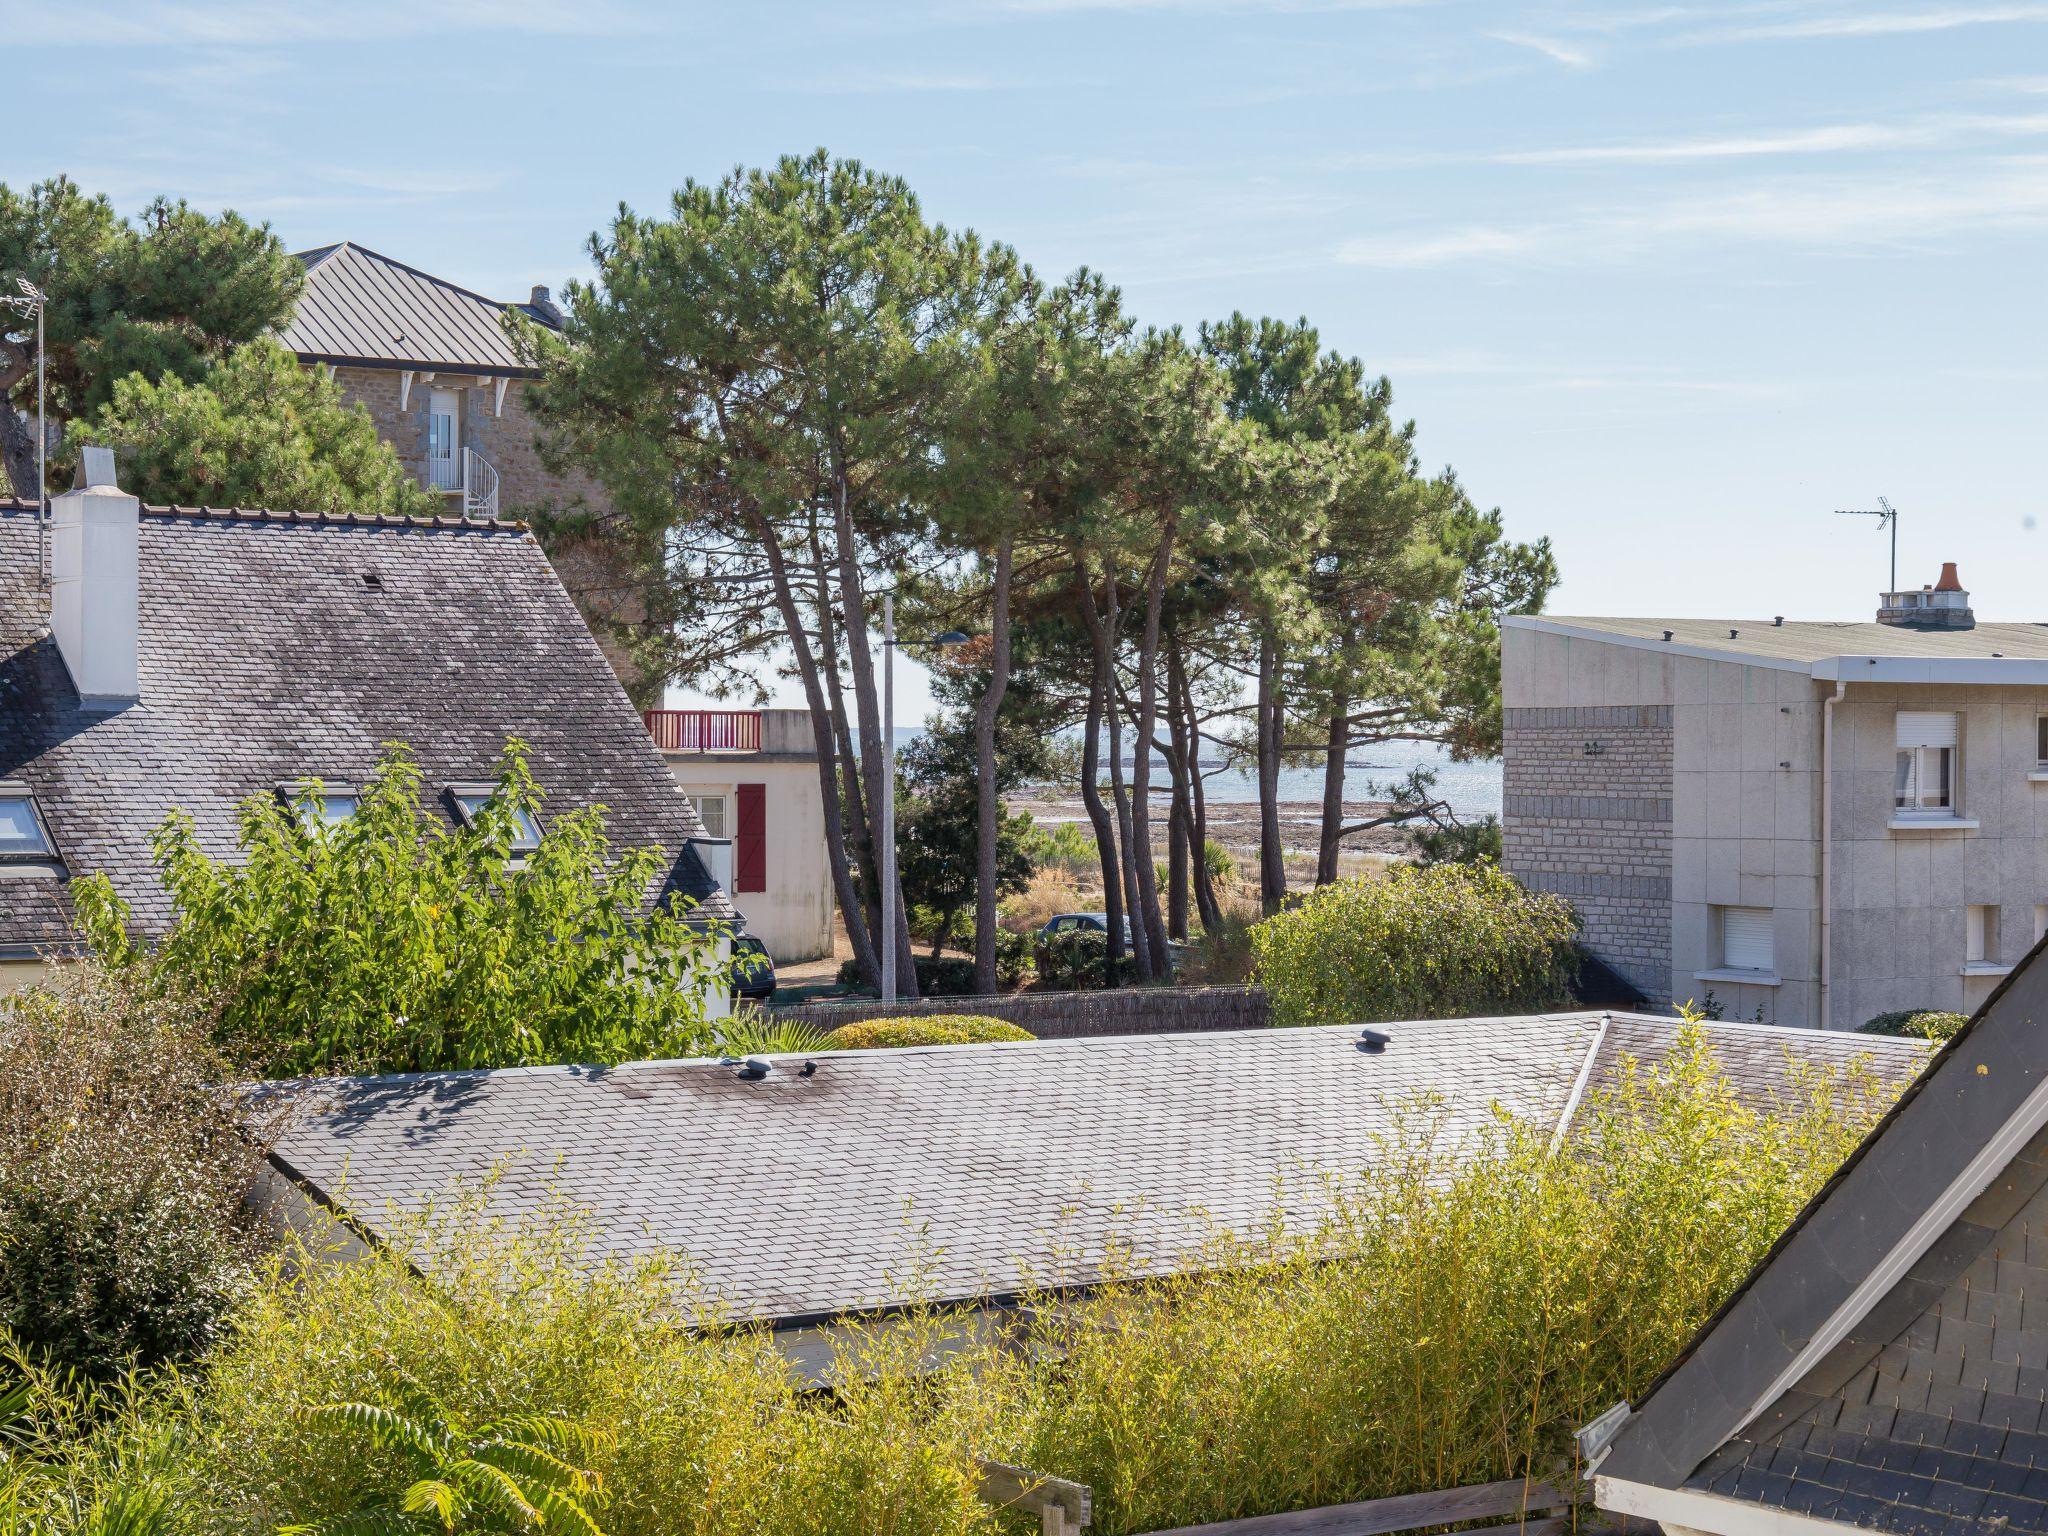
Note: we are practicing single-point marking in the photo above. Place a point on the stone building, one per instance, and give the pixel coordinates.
(1817, 822)
(434, 366)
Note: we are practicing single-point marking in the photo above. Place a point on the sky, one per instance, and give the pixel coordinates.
(1667, 283)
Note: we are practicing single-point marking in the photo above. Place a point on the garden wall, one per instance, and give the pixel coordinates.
(1070, 1015)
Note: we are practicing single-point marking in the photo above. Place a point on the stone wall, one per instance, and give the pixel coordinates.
(1071, 1015)
(1587, 814)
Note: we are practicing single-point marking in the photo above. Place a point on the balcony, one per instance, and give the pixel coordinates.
(468, 475)
(704, 730)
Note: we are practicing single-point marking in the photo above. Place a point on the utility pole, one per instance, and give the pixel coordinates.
(32, 301)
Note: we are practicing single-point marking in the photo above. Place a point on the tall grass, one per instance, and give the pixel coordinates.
(1459, 1309)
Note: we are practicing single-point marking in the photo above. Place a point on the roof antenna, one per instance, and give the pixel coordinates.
(1887, 517)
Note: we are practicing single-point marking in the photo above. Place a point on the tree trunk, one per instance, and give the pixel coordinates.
(1099, 818)
(1177, 867)
(987, 809)
(1147, 891)
(1206, 903)
(1102, 629)
(857, 931)
(876, 756)
(859, 837)
(1272, 856)
(1338, 744)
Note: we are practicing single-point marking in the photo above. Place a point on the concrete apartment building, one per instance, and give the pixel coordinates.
(1817, 822)
(752, 775)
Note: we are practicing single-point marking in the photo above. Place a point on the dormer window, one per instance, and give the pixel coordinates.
(23, 837)
(329, 804)
(469, 801)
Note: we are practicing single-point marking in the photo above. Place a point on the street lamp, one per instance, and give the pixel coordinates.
(888, 807)
(31, 301)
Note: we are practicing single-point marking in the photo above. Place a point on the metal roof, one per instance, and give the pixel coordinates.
(360, 308)
(973, 1172)
(1800, 644)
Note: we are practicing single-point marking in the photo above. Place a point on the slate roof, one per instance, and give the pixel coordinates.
(1809, 641)
(1905, 1312)
(265, 658)
(364, 309)
(970, 1171)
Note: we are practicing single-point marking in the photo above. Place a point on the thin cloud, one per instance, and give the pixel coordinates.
(1864, 214)
(245, 26)
(1556, 52)
(1846, 24)
(1833, 138)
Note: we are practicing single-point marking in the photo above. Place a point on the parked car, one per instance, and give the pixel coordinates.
(753, 972)
(1098, 922)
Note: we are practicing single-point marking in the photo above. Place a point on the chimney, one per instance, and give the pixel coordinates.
(1945, 605)
(95, 534)
(543, 304)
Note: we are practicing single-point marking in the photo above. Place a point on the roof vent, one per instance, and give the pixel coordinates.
(754, 1068)
(1945, 605)
(1778, 621)
(373, 580)
(1372, 1041)
(1667, 634)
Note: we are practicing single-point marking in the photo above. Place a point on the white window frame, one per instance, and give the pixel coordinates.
(47, 852)
(1761, 953)
(330, 795)
(1923, 750)
(437, 466)
(724, 798)
(1980, 937)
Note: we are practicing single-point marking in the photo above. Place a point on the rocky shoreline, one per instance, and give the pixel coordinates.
(1235, 824)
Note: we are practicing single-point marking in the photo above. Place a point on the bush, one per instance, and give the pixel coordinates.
(1074, 961)
(922, 1029)
(1919, 1023)
(946, 976)
(391, 942)
(1420, 943)
(123, 1168)
(1222, 955)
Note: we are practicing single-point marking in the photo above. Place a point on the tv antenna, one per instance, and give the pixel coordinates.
(1887, 515)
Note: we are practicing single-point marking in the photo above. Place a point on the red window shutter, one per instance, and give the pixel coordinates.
(750, 845)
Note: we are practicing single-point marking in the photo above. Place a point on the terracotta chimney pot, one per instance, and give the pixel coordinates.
(1950, 582)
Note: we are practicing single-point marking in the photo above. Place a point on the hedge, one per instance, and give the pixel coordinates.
(935, 1029)
(1919, 1023)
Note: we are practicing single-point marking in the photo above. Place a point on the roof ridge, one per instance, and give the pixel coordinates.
(423, 275)
(353, 519)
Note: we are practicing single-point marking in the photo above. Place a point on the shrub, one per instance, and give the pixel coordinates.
(391, 942)
(945, 976)
(922, 1029)
(1051, 892)
(1064, 847)
(123, 1237)
(1222, 955)
(1075, 961)
(1421, 943)
(1920, 1023)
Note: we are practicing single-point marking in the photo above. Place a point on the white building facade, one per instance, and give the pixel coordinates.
(752, 776)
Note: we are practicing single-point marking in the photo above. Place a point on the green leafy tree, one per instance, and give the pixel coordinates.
(166, 296)
(1422, 943)
(256, 430)
(509, 1475)
(938, 820)
(391, 942)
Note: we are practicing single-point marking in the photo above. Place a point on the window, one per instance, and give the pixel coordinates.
(1981, 936)
(470, 799)
(332, 805)
(710, 811)
(1924, 776)
(444, 420)
(2041, 741)
(1746, 939)
(21, 829)
(2040, 922)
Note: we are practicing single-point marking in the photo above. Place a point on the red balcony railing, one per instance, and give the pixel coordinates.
(704, 730)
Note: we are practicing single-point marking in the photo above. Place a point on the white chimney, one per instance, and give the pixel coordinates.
(95, 557)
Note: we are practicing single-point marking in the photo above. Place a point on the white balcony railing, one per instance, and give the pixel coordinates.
(479, 485)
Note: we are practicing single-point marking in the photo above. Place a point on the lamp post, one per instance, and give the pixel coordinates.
(888, 806)
(32, 301)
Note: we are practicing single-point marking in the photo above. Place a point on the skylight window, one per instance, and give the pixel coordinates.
(330, 804)
(22, 835)
(470, 799)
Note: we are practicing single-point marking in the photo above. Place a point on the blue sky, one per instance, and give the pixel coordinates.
(1666, 282)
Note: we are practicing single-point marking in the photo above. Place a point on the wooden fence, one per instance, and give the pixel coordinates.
(1516, 1505)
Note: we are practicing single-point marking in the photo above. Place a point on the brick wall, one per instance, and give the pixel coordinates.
(1586, 813)
(1071, 1015)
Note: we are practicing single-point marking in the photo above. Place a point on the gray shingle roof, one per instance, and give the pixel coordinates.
(1901, 1322)
(979, 1168)
(362, 308)
(265, 658)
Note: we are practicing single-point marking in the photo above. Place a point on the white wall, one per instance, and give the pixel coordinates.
(793, 917)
